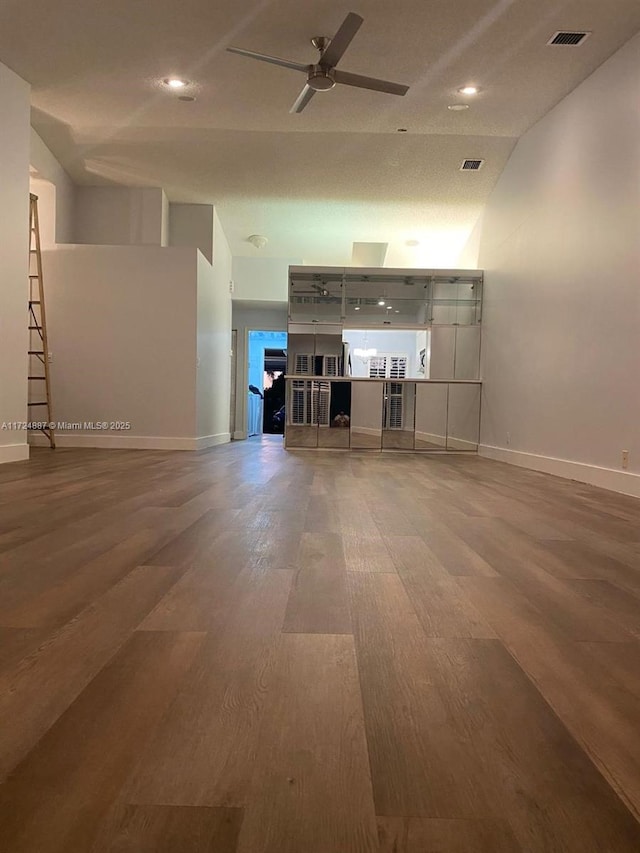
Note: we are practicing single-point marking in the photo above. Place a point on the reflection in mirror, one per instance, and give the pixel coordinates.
(380, 300)
(366, 415)
(463, 420)
(315, 297)
(333, 430)
(301, 427)
(301, 355)
(431, 416)
(387, 353)
(398, 415)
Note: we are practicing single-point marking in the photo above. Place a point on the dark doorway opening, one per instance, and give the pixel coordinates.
(275, 367)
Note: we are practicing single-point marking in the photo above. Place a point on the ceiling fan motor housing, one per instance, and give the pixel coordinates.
(320, 79)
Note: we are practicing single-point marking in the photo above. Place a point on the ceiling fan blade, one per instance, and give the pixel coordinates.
(303, 99)
(370, 83)
(274, 60)
(341, 41)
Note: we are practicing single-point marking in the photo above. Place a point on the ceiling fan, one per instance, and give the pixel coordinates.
(323, 75)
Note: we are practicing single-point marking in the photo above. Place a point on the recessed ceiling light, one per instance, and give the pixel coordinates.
(186, 98)
(457, 107)
(357, 308)
(396, 311)
(174, 82)
(469, 90)
(389, 307)
(381, 301)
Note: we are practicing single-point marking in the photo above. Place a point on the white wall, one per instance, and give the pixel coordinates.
(561, 249)
(214, 343)
(14, 235)
(246, 317)
(56, 193)
(120, 216)
(192, 225)
(468, 259)
(46, 193)
(262, 279)
(122, 331)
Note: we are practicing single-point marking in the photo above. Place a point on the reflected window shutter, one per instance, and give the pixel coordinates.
(303, 364)
(398, 367)
(323, 403)
(378, 367)
(297, 402)
(395, 406)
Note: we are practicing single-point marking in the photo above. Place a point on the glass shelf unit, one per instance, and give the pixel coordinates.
(369, 298)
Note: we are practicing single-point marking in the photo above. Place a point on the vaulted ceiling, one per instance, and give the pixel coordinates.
(340, 171)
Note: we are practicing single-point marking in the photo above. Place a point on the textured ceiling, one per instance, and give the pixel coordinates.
(338, 172)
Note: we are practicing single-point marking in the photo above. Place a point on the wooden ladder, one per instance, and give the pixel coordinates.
(40, 410)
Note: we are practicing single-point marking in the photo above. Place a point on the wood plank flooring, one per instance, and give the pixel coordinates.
(245, 650)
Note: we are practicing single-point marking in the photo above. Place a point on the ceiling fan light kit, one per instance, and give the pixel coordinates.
(323, 75)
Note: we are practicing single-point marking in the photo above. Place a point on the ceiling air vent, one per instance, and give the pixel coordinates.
(471, 165)
(568, 39)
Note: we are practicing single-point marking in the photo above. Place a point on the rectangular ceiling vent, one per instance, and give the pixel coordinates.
(568, 39)
(471, 165)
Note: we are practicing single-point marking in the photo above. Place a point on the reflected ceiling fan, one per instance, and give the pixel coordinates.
(323, 75)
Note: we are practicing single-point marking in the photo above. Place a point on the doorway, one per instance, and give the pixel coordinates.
(266, 367)
(275, 368)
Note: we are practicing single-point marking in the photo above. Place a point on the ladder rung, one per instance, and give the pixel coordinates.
(38, 404)
(37, 377)
(35, 352)
(34, 276)
(35, 328)
(34, 302)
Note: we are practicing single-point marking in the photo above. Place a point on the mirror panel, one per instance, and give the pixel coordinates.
(398, 418)
(431, 416)
(463, 420)
(301, 428)
(366, 414)
(386, 300)
(301, 354)
(336, 432)
(315, 297)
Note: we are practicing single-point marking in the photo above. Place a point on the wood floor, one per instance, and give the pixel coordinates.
(251, 651)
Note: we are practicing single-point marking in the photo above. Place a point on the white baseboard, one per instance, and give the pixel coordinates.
(431, 438)
(624, 482)
(212, 440)
(365, 431)
(461, 444)
(131, 442)
(121, 442)
(13, 452)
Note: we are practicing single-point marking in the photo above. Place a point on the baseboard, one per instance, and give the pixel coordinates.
(240, 435)
(212, 440)
(366, 430)
(13, 452)
(624, 482)
(121, 442)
